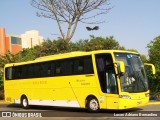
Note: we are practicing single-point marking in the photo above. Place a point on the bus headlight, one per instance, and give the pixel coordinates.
(124, 96)
(147, 94)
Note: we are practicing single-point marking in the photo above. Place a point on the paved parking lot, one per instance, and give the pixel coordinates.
(61, 113)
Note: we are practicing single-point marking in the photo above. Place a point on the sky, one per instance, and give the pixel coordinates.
(133, 23)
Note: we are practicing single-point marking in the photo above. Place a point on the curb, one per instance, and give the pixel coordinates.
(154, 103)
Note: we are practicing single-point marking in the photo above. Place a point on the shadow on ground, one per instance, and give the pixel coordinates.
(72, 112)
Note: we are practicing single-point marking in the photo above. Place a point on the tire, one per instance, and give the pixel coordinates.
(92, 104)
(24, 102)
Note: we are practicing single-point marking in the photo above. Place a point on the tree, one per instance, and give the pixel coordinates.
(99, 43)
(144, 58)
(8, 58)
(1, 80)
(154, 52)
(132, 50)
(70, 12)
(154, 55)
(27, 54)
(1, 85)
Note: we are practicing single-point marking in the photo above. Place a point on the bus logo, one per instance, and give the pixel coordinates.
(6, 114)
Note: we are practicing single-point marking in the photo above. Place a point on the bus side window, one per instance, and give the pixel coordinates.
(37, 70)
(52, 69)
(67, 67)
(88, 66)
(106, 73)
(111, 82)
(78, 66)
(30, 71)
(19, 72)
(100, 62)
(57, 68)
(83, 65)
(80, 69)
(111, 77)
(8, 73)
(15, 73)
(45, 70)
(49, 69)
(24, 72)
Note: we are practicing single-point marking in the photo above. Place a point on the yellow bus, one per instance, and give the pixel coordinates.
(102, 79)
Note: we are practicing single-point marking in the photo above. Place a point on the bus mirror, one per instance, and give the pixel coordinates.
(121, 66)
(152, 66)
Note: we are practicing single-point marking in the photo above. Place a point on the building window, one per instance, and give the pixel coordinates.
(15, 40)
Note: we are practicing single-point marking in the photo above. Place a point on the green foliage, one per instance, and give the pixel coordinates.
(60, 46)
(132, 50)
(26, 55)
(51, 47)
(154, 82)
(1, 85)
(8, 58)
(99, 43)
(154, 56)
(154, 52)
(1, 80)
(95, 43)
(144, 58)
(80, 45)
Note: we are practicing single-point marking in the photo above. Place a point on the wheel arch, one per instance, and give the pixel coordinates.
(22, 96)
(91, 96)
(24, 101)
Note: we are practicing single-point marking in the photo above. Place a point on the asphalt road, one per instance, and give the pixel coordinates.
(71, 113)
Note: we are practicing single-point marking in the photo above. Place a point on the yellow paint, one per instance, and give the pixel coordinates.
(152, 66)
(73, 87)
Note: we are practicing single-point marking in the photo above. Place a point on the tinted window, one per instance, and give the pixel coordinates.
(58, 68)
(64, 67)
(106, 73)
(15, 40)
(8, 74)
(24, 71)
(67, 67)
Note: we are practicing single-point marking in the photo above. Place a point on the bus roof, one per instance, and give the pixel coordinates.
(69, 55)
(79, 53)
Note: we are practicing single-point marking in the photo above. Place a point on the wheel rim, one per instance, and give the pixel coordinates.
(93, 104)
(25, 102)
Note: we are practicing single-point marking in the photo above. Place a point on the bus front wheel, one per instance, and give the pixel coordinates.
(92, 104)
(24, 102)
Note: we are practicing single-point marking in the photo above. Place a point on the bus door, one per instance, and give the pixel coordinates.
(107, 79)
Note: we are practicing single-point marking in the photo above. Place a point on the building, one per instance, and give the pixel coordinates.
(31, 38)
(10, 43)
(15, 43)
(2, 41)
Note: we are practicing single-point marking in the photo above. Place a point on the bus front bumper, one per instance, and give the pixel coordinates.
(132, 103)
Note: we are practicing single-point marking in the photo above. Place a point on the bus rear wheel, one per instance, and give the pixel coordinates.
(92, 104)
(24, 102)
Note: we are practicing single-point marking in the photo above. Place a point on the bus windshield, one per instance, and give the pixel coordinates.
(134, 79)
